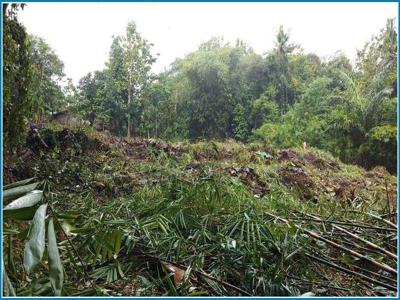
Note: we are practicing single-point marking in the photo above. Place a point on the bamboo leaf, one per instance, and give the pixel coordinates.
(26, 213)
(28, 200)
(34, 248)
(117, 241)
(55, 265)
(24, 207)
(18, 191)
(18, 183)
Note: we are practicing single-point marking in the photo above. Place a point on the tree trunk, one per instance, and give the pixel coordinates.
(128, 135)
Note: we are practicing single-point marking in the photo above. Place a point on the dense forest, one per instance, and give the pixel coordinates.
(177, 183)
(285, 97)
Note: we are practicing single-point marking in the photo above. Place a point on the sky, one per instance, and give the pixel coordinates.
(81, 33)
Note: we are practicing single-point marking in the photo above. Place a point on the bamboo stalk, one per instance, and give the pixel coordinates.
(360, 225)
(345, 270)
(353, 244)
(383, 220)
(387, 200)
(321, 284)
(370, 244)
(380, 276)
(377, 218)
(375, 274)
(351, 252)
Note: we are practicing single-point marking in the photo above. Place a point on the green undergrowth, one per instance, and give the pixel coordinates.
(134, 208)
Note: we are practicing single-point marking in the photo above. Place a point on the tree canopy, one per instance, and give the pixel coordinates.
(284, 97)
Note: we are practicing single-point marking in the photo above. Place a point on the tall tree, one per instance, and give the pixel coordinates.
(283, 48)
(138, 61)
(16, 77)
(47, 74)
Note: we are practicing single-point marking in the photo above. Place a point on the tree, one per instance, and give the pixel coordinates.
(264, 109)
(115, 94)
(93, 102)
(137, 63)
(351, 113)
(16, 77)
(240, 123)
(281, 57)
(47, 74)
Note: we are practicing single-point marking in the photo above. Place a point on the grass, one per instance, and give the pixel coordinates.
(160, 224)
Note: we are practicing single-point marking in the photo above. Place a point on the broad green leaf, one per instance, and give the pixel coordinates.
(55, 265)
(34, 248)
(8, 289)
(18, 183)
(28, 200)
(24, 207)
(26, 213)
(18, 191)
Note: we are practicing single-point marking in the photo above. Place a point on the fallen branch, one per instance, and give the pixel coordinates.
(319, 284)
(360, 225)
(376, 217)
(345, 270)
(375, 274)
(370, 244)
(351, 252)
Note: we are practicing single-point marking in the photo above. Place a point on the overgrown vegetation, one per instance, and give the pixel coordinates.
(146, 217)
(229, 174)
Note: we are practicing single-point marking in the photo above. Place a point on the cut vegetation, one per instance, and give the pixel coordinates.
(146, 217)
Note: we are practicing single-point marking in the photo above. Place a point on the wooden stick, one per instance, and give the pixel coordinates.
(360, 225)
(366, 278)
(324, 256)
(375, 274)
(374, 216)
(370, 244)
(351, 252)
(388, 200)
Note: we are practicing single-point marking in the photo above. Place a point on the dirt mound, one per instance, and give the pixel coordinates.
(308, 158)
(313, 177)
(251, 179)
(76, 160)
(296, 178)
(48, 140)
(144, 149)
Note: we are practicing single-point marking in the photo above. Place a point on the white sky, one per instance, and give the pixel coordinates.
(80, 33)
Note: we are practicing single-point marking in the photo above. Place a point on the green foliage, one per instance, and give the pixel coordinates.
(16, 78)
(264, 110)
(13, 192)
(47, 73)
(119, 219)
(351, 113)
(380, 148)
(286, 98)
(7, 285)
(114, 97)
(28, 200)
(240, 123)
(55, 263)
(34, 248)
(275, 134)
